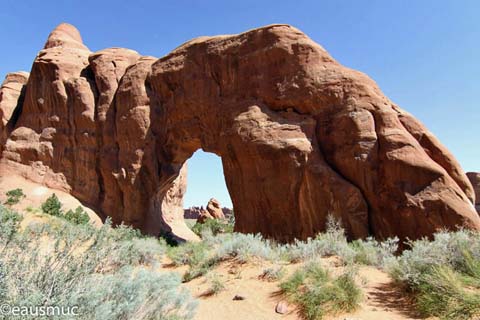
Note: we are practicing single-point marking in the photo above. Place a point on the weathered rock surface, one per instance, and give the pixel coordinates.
(300, 136)
(195, 212)
(215, 209)
(204, 216)
(11, 99)
(474, 178)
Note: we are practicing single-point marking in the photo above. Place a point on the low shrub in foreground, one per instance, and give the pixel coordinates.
(106, 272)
(448, 294)
(318, 294)
(444, 274)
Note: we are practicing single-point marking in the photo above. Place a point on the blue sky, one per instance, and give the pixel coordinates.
(423, 54)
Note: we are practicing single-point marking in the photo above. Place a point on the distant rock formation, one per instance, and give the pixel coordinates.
(192, 212)
(301, 137)
(475, 180)
(213, 211)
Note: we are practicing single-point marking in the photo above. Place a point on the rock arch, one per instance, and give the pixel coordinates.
(300, 137)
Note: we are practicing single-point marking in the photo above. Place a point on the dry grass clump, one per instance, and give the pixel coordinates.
(318, 294)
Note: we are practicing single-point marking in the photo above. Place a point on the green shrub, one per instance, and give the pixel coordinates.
(196, 255)
(243, 247)
(446, 249)
(373, 252)
(318, 294)
(215, 226)
(216, 284)
(447, 294)
(9, 221)
(444, 274)
(14, 196)
(52, 206)
(79, 216)
(332, 242)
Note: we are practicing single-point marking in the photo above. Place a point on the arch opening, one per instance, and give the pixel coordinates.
(206, 194)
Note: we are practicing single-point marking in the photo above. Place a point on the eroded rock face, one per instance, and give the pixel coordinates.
(11, 99)
(215, 209)
(474, 178)
(300, 136)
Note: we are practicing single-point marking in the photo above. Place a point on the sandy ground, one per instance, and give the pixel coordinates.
(382, 300)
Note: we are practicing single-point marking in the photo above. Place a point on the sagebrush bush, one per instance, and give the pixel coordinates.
(216, 284)
(243, 247)
(373, 252)
(201, 257)
(106, 272)
(334, 242)
(444, 274)
(446, 249)
(134, 294)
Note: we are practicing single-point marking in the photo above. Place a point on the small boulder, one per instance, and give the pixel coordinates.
(282, 307)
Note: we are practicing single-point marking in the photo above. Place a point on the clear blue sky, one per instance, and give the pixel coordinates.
(425, 55)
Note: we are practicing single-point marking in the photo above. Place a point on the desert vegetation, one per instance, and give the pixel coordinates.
(107, 272)
(317, 293)
(53, 257)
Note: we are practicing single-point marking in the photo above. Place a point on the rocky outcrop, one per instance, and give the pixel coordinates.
(215, 209)
(300, 136)
(204, 216)
(474, 178)
(194, 212)
(11, 101)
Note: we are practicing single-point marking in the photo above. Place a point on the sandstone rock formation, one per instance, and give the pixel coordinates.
(204, 216)
(194, 212)
(11, 99)
(215, 209)
(300, 136)
(475, 180)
